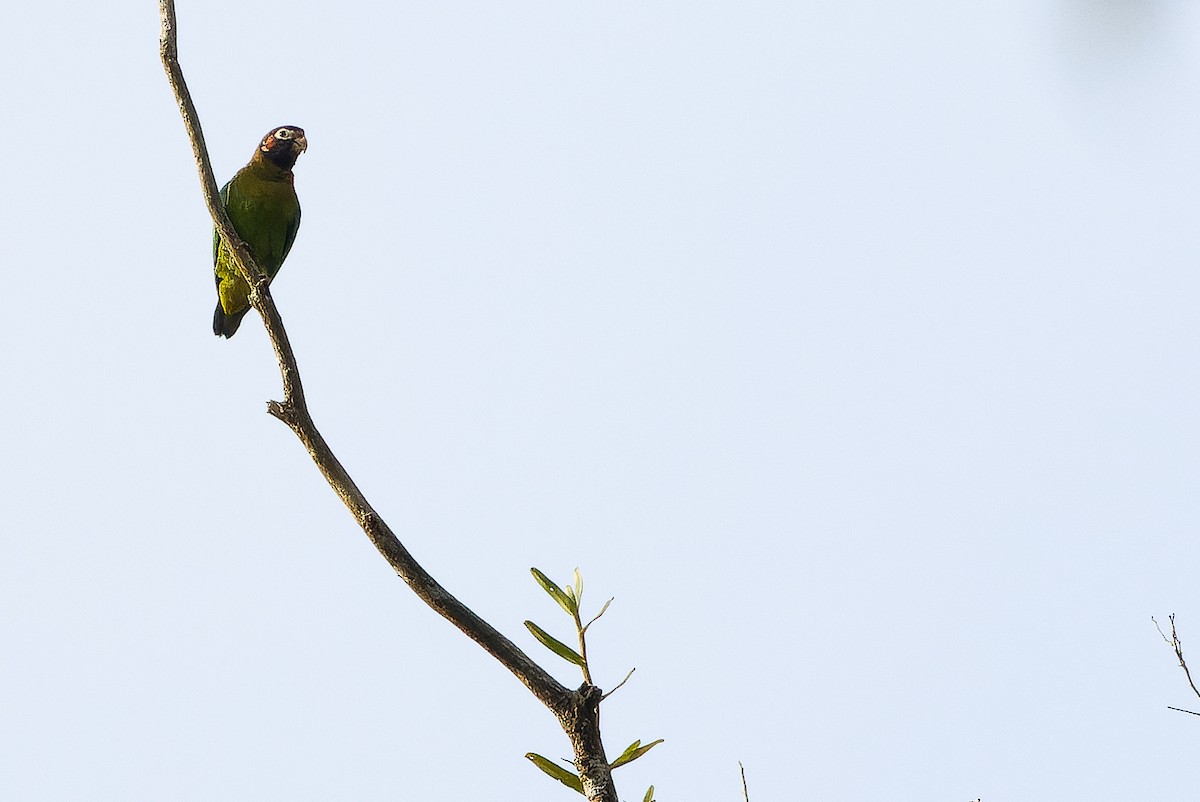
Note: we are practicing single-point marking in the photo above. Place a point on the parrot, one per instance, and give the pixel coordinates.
(262, 205)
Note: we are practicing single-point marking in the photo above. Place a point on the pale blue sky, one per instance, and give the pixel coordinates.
(852, 347)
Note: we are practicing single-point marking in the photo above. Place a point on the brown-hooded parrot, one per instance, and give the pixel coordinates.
(263, 207)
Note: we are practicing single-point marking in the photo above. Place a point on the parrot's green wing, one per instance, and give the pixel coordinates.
(290, 237)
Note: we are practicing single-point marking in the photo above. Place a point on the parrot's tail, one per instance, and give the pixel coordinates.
(225, 325)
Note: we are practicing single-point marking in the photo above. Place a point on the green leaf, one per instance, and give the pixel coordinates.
(558, 647)
(567, 778)
(578, 586)
(623, 756)
(556, 593)
(596, 617)
(633, 752)
(649, 797)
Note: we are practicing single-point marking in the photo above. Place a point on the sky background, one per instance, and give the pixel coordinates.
(853, 347)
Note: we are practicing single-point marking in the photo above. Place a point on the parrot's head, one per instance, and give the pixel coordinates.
(283, 145)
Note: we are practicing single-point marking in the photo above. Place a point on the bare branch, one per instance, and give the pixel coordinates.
(577, 711)
(1177, 646)
(745, 790)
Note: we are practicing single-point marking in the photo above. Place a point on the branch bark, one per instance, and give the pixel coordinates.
(576, 710)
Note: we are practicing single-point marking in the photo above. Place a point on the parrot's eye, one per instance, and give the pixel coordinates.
(283, 133)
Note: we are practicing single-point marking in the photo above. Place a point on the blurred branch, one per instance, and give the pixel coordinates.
(1182, 710)
(1177, 646)
(576, 710)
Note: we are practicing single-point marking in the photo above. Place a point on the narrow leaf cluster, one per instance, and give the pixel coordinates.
(568, 597)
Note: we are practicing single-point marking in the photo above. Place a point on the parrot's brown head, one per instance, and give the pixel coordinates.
(283, 145)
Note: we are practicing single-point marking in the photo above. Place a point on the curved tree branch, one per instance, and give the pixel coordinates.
(577, 710)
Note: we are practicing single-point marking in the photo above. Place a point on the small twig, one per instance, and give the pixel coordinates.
(596, 617)
(1181, 710)
(619, 684)
(745, 791)
(1177, 646)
